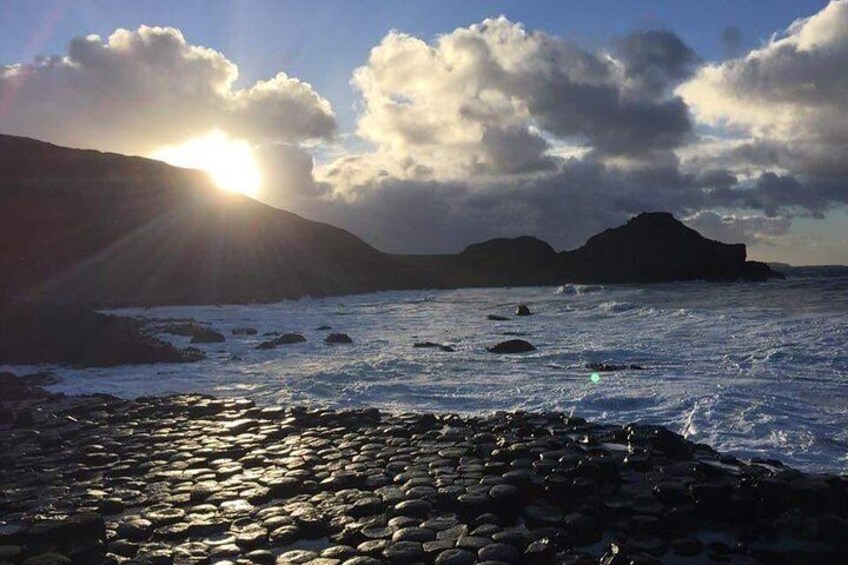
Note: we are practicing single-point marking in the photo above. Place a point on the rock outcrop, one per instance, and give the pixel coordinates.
(655, 247)
(74, 336)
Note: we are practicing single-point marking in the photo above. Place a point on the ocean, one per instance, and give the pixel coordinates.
(757, 370)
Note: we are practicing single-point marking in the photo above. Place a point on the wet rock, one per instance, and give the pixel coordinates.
(243, 330)
(496, 318)
(338, 338)
(9, 553)
(196, 480)
(414, 534)
(522, 310)
(135, 528)
(285, 339)
(47, 559)
(512, 346)
(456, 557)
(432, 345)
(502, 552)
(539, 552)
(416, 508)
(207, 335)
(404, 553)
(362, 560)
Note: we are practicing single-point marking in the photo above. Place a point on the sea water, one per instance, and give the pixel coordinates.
(753, 369)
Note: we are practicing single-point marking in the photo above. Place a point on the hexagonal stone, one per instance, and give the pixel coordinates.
(456, 557)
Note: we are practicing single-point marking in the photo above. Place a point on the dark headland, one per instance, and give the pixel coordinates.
(89, 228)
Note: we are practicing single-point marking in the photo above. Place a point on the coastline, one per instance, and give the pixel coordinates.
(194, 479)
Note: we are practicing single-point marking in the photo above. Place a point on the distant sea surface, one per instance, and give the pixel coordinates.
(756, 369)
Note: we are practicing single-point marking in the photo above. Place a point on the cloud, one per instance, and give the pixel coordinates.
(564, 206)
(736, 228)
(144, 88)
(789, 96)
(489, 99)
(656, 60)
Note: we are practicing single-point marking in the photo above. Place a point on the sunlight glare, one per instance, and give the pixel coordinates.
(230, 162)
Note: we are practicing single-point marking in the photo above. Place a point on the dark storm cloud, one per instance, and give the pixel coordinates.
(656, 61)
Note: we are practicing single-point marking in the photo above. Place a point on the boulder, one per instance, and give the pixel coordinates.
(285, 339)
(496, 318)
(432, 345)
(522, 310)
(512, 346)
(338, 338)
(208, 336)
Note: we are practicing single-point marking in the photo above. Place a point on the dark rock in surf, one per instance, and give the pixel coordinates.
(323, 328)
(285, 339)
(244, 331)
(512, 346)
(183, 329)
(609, 368)
(432, 345)
(496, 318)
(522, 310)
(338, 338)
(208, 336)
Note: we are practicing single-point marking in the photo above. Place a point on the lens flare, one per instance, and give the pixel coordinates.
(230, 162)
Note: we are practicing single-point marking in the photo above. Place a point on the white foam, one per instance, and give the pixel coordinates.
(760, 370)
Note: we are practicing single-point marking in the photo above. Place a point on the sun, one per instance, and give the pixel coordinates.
(230, 162)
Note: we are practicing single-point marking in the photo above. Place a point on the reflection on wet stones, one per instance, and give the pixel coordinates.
(192, 479)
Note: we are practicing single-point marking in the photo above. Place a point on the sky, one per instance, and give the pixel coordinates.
(427, 126)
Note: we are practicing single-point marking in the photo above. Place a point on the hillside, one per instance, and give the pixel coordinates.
(103, 229)
(100, 229)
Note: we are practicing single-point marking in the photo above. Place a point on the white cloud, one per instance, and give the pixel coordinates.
(738, 228)
(487, 99)
(790, 96)
(145, 88)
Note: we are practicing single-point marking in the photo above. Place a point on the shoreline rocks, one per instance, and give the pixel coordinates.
(197, 479)
(36, 334)
(208, 336)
